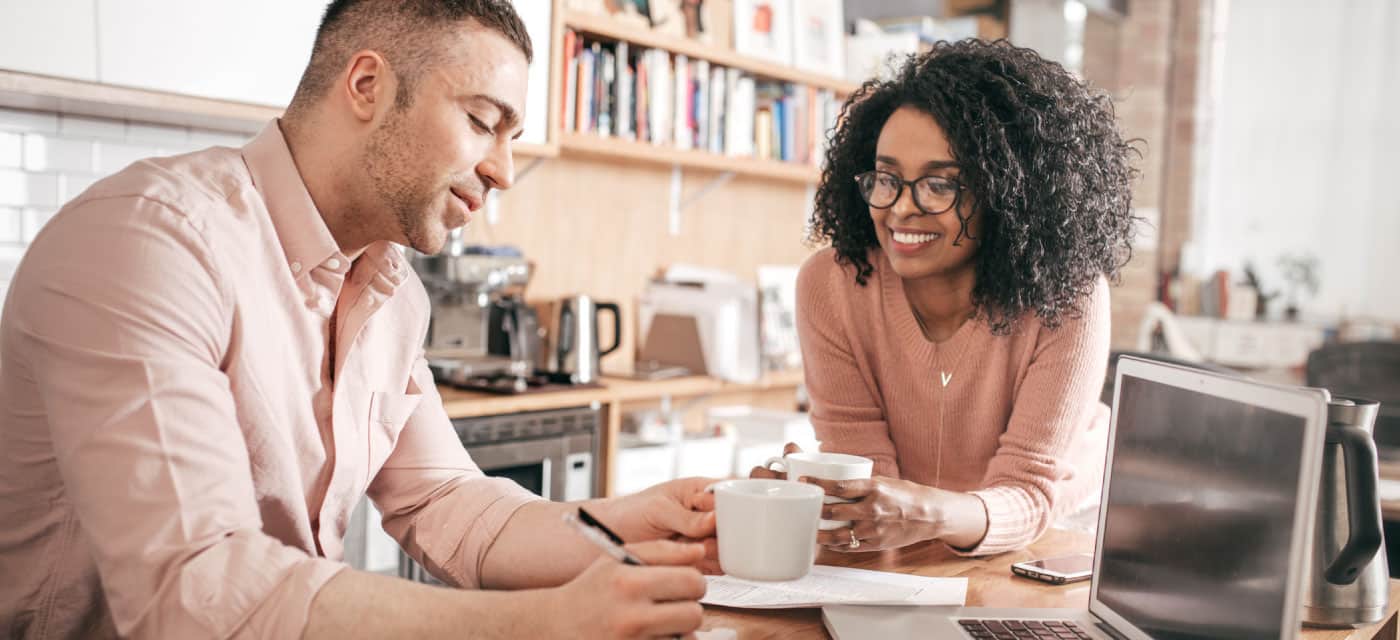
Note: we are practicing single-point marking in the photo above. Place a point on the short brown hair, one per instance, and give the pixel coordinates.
(404, 31)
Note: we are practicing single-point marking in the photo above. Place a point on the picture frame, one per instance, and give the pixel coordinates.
(763, 29)
(818, 36)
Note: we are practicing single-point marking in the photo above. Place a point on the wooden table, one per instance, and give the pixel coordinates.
(990, 583)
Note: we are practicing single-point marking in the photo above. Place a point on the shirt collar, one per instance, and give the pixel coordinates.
(306, 241)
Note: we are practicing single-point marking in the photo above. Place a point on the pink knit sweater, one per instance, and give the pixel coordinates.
(1018, 424)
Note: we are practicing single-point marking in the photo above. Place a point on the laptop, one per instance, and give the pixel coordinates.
(1204, 525)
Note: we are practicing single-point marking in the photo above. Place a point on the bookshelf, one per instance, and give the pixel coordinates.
(796, 132)
(592, 145)
(606, 28)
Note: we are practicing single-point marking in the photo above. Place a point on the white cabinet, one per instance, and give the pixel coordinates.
(1251, 344)
(248, 51)
(49, 37)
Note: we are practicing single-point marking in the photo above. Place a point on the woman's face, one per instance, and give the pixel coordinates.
(919, 244)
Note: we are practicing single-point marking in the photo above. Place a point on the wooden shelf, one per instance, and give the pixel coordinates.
(468, 404)
(610, 29)
(586, 144)
(80, 97)
(534, 150)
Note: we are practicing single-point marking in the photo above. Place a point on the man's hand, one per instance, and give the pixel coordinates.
(676, 510)
(614, 600)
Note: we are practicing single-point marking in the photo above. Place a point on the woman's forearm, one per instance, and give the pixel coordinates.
(960, 519)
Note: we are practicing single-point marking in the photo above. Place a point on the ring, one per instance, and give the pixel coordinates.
(855, 544)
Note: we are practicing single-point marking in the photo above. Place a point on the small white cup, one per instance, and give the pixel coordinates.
(767, 529)
(827, 466)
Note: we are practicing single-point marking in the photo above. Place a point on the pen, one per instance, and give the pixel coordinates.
(601, 536)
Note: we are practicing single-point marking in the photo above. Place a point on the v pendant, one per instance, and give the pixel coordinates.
(945, 377)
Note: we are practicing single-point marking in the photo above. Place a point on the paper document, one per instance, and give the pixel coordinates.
(836, 585)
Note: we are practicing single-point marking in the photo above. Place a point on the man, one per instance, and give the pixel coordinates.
(209, 358)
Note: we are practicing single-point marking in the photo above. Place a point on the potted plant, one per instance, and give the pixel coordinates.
(1300, 272)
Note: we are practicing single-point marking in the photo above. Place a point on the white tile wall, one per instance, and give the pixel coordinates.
(47, 159)
(84, 126)
(34, 219)
(9, 259)
(115, 156)
(70, 185)
(19, 188)
(45, 152)
(11, 149)
(39, 121)
(11, 226)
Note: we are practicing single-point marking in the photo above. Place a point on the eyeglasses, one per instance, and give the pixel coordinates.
(932, 194)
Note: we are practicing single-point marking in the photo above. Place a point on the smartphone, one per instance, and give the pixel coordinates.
(1061, 570)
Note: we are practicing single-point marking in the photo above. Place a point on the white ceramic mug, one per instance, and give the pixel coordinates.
(827, 466)
(767, 529)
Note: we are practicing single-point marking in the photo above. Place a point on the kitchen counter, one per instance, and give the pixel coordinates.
(610, 398)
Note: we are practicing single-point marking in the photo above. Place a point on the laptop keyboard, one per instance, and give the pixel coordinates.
(1018, 629)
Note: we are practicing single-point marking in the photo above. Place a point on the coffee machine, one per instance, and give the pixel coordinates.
(481, 332)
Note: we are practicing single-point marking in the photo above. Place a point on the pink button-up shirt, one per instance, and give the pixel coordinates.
(175, 459)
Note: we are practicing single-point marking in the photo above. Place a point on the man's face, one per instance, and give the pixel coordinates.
(430, 165)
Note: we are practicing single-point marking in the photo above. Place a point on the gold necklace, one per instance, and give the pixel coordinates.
(943, 376)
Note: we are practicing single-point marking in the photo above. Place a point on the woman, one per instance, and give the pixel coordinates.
(957, 329)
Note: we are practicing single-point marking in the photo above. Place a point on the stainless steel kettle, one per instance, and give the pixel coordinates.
(573, 338)
(1347, 579)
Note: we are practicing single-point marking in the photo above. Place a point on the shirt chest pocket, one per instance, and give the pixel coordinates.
(388, 412)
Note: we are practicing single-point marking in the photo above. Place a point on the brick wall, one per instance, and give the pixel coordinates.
(1132, 59)
(46, 159)
(1152, 62)
(1190, 55)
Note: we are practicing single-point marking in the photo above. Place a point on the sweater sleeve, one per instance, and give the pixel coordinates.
(1055, 405)
(846, 412)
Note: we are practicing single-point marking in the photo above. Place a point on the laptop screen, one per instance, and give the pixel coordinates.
(1200, 511)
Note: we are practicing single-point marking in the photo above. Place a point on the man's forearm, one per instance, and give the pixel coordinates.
(356, 604)
(537, 549)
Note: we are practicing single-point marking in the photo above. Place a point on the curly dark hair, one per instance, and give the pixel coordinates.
(1039, 151)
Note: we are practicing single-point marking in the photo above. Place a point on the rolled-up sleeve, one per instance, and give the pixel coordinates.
(436, 502)
(124, 332)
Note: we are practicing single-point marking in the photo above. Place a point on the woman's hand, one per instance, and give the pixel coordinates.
(765, 472)
(888, 513)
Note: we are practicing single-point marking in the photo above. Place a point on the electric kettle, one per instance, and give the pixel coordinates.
(573, 348)
(1347, 579)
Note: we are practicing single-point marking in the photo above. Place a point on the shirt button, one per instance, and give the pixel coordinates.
(296, 267)
(333, 263)
(325, 305)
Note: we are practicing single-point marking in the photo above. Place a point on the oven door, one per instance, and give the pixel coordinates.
(556, 468)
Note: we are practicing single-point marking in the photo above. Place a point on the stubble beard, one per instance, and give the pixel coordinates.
(406, 194)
